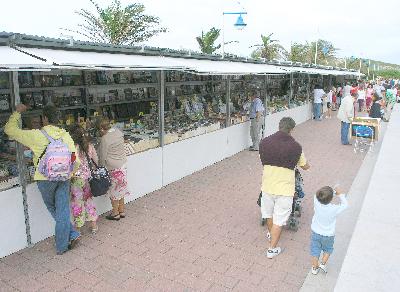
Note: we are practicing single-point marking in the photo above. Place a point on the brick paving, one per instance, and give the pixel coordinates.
(201, 233)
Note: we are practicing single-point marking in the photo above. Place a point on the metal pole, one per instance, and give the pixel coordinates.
(228, 101)
(369, 64)
(316, 51)
(20, 157)
(223, 36)
(291, 89)
(265, 105)
(311, 104)
(161, 103)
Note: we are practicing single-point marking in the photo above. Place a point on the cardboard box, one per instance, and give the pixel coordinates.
(365, 127)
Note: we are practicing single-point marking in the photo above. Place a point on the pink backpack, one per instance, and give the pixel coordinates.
(55, 162)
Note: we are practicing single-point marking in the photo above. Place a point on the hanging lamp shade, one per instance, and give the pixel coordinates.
(240, 23)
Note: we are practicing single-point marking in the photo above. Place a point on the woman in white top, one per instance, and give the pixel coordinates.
(319, 94)
(361, 97)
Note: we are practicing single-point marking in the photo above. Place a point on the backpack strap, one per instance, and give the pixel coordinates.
(51, 140)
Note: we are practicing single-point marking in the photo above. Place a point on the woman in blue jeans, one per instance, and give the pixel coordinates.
(55, 194)
(319, 94)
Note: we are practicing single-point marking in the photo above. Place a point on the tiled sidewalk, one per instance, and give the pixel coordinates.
(201, 233)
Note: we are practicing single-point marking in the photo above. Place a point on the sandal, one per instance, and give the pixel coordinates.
(94, 230)
(122, 215)
(113, 217)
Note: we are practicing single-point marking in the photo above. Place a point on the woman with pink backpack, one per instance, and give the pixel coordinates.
(55, 162)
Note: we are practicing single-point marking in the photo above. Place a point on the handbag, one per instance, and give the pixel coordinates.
(100, 180)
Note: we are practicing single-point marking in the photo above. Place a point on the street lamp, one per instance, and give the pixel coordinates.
(240, 24)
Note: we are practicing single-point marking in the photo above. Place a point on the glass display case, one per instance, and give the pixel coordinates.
(128, 98)
(241, 87)
(300, 90)
(194, 105)
(278, 93)
(9, 176)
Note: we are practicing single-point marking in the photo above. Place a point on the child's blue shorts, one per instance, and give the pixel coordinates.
(321, 243)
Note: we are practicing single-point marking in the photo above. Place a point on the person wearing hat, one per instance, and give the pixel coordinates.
(345, 114)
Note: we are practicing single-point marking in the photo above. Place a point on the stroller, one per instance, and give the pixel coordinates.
(293, 222)
(364, 138)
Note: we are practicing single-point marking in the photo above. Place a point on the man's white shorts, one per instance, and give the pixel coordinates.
(276, 207)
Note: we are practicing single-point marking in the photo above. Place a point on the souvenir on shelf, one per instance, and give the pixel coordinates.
(9, 176)
(4, 102)
(4, 80)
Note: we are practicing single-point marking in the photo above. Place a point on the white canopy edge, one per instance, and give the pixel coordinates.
(68, 59)
(319, 71)
(11, 60)
(95, 60)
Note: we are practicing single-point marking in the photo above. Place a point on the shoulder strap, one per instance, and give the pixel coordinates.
(47, 135)
(90, 161)
(48, 138)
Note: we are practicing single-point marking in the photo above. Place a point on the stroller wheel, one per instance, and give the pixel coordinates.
(297, 213)
(293, 223)
(263, 220)
(294, 227)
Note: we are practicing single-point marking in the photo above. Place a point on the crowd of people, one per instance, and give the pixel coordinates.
(375, 99)
(280, 155)
(64, 162)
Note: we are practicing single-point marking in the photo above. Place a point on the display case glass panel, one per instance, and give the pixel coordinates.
(9, 176)
(241, 87)
(130, 100)
(278, 93)
(301, 90)
(194, 105)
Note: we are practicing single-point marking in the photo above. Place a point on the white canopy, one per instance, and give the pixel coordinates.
(73, 59)
(11, 59)
(67, 58)
(319, 71)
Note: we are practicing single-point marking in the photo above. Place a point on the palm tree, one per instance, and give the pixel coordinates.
(118, 25)
(299, 53)
(269, 49)
(326, 52)
(206, 41)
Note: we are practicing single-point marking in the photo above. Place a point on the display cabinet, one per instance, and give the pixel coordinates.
(278, 93)
(128, 98)
(194, 105)
(300, 90)
(9, 176)
(241, 87)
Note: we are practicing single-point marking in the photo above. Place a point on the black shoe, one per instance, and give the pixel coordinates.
(113, 217)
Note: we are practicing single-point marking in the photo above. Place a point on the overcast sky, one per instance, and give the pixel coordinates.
(367, 28)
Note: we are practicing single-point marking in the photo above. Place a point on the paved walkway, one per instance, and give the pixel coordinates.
(201, 233)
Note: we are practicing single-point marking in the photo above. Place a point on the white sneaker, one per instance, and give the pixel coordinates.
(314, 271)
(269, 236)
(323, 267)
(273, 252)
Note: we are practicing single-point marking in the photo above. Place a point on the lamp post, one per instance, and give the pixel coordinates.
(240, 24)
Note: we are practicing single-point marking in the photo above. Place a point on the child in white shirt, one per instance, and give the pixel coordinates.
(323, 226)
